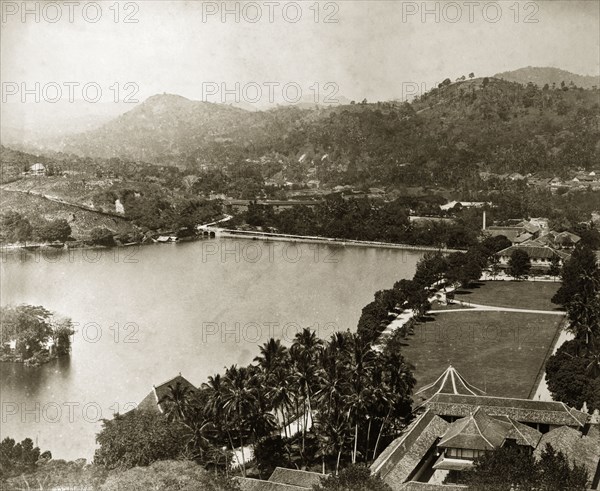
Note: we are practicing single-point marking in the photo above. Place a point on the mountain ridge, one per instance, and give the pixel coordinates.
(548, 75)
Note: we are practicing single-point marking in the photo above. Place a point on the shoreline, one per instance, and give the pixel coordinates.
(227, 234)
(267, 236)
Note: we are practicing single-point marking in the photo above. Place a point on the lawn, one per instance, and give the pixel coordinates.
(499, 352)
(516, 294)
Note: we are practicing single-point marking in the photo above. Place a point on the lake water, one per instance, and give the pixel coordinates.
(144, 314)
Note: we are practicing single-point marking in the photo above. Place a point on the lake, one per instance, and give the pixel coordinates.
(144, 314)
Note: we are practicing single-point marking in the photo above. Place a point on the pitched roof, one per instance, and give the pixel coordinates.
(478, 431)
(295, 477)
(150, 402)
(450, 464)
(511, 233)
(523, 238)
(521, 410)
(521, 433)
(583, 450)
(449, 382)
(567, 237)
(530, 227)
(534, 250)
(398, 461)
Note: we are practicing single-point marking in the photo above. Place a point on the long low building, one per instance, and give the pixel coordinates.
(541, 256)
(457, 422)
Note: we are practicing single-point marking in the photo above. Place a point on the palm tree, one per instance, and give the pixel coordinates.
(304, 353)
(176, 402)
(239, 400)
(272, 355)
(359, 388)
(584, 314)
(214, 402)
(280, 395)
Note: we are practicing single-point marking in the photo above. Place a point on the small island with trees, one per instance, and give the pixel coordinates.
(33, 335)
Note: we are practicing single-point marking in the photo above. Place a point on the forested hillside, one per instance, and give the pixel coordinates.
(441, 138)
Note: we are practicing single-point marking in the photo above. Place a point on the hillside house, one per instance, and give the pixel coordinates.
(37, 170)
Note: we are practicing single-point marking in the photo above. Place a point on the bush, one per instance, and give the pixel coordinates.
(168, 475)
(139, 438)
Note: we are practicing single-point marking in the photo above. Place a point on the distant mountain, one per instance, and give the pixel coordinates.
(163, 128)
(442, 136)
(33, 123)
(549, 75)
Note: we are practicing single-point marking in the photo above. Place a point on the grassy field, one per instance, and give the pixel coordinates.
(516, 294)
(499, 352)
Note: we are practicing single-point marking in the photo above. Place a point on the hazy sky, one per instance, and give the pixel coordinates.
(372, 49)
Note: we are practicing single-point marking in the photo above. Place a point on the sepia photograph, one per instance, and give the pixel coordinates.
(311, 245)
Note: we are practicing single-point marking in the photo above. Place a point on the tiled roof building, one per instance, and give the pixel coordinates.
(402, 459)
(523, 410)
(460, 423)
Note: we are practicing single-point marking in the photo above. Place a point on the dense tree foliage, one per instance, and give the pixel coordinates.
(353, 478)
(14, 227)
(361, 219)
(438, 140)
(573, 376)
(513, 467)
(42, 473)
(324, 403)
(17, 458)
(519, 264)
(573, 373)
(139, 438)
(33, 328)
(168, 475)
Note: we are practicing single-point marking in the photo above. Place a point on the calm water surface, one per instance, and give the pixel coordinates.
(145, 314)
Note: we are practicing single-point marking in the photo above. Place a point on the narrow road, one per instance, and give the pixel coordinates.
(475, 307)
(542, 393)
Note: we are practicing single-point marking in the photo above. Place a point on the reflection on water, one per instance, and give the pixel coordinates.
(144, 314)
